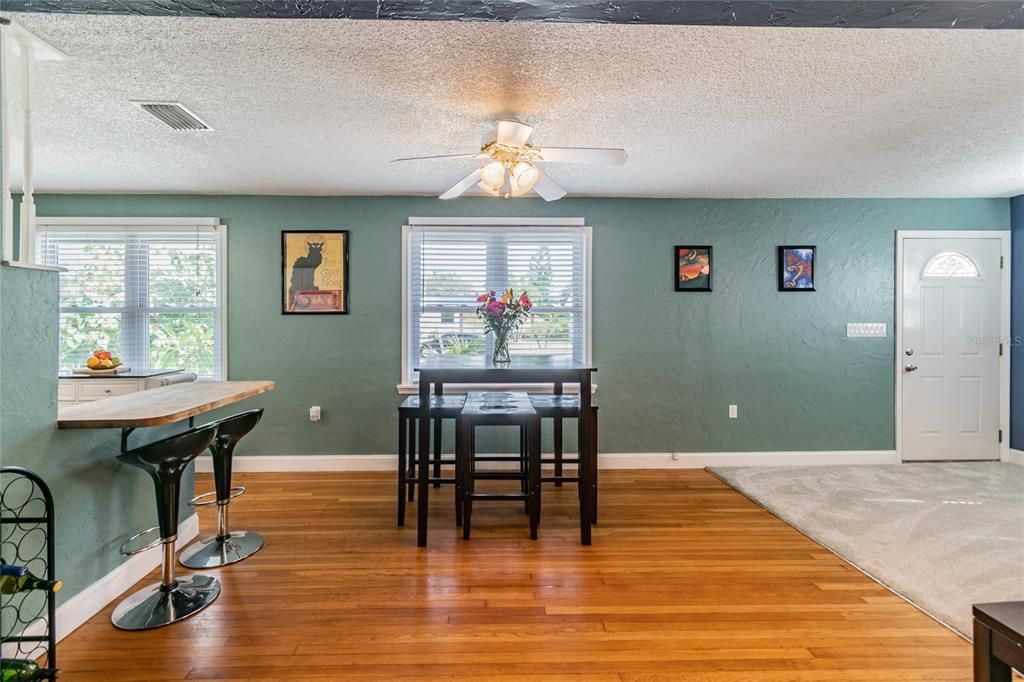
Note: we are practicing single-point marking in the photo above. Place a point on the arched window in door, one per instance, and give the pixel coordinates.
(951, 264)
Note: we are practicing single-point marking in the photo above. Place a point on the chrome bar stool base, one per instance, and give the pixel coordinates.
(215, 552)
(156, 606)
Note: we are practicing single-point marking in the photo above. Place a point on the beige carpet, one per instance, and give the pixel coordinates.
(945, 536)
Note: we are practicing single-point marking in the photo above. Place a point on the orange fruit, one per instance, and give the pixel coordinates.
(93, 362)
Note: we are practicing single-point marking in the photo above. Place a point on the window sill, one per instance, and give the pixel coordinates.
(414, 389)
(31, 266)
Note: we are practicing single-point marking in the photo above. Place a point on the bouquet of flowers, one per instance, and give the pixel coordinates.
(502, 317)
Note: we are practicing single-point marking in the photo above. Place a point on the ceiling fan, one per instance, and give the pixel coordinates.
(512, 170)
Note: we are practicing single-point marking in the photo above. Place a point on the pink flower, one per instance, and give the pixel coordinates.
(495, 308)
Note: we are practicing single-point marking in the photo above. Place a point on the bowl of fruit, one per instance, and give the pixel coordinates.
(102, 361)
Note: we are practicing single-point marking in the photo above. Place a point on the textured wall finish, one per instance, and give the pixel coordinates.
(794, 13)
(669, 363)
(320, 107)
(1017, 324)
(98, 501)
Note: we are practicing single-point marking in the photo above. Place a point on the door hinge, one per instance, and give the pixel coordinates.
(1001, 259)
(1000, 350)
(1000, 435)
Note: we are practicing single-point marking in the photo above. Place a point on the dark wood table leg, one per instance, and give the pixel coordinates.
(461, 446)
(557, 437)
(593, 449)
(403, 470)
(437, 451)
(466, 433)
(524, 484)
(423, 448)
(987, 668)
(586, 465)
(533, 469)
(412, 456)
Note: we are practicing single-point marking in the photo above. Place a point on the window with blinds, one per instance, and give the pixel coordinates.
(447, 267)
(151, 294)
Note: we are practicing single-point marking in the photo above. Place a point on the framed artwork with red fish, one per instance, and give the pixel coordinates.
(693, 268)
(796, 268)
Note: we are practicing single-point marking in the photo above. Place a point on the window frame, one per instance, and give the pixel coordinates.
(156, 225)
(408, 386)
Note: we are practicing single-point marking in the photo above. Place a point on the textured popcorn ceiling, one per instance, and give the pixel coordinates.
(321, 106)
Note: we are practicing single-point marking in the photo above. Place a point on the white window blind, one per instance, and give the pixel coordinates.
(449, 266)
(151, 294)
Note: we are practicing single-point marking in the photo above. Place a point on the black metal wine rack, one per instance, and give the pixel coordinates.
(27, 619)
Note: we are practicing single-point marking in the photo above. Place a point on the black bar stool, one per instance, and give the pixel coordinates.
(497, 409)
(227, 546)
(441, 407)
(172, 599)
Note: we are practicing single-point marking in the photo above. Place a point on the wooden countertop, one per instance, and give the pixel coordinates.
(158, 406)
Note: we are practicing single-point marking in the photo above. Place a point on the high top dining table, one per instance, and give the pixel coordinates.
(436, 371)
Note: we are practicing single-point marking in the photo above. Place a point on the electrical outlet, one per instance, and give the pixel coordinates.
(734, 411)
(314, 413)
(876, 330)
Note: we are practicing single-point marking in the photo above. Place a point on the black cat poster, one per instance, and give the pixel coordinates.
(314, 272)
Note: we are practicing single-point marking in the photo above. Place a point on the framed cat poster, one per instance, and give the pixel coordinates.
(314, 272)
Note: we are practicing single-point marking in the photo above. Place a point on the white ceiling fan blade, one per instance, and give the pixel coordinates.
(582, 155)
(471, 155)
(463, 184)
(513, 133)
(548, 189)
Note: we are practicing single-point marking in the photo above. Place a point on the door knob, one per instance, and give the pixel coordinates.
(911, 368)
(909, 352)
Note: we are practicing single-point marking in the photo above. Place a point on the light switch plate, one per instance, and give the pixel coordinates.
(867, 330)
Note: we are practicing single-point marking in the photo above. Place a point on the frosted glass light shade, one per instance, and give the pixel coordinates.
(523, 177)
(493, 176)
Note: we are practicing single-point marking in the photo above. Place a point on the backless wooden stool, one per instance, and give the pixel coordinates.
(497, 409)
(442, 407)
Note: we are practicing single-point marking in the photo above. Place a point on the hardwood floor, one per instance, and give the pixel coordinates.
(686, 580)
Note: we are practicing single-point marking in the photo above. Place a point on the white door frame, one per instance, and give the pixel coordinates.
(1004, 326)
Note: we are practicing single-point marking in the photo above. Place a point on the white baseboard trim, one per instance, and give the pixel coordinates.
(611, 460)
(297, 463)
(93, 599)
(1015, 457)
(699, 460)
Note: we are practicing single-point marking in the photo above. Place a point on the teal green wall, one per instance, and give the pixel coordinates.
(669, 363)
(99, 502)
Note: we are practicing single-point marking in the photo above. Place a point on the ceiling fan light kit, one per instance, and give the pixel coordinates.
(512, 169)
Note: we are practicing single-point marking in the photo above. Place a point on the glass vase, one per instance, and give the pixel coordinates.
(500, 356)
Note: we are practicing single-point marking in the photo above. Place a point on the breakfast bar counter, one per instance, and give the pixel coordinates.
(158, 406)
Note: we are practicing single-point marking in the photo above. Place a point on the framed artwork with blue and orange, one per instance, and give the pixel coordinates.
(693, 268)
(796, 268)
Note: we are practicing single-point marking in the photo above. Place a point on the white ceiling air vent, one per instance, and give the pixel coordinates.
(174, 115)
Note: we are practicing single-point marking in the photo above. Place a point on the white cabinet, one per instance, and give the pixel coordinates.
(98, 389)
(84, 390)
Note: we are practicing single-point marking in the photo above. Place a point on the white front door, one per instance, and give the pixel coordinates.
(950, 360)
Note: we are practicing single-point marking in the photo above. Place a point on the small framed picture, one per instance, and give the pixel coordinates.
(796, 268)
(693, 268)
(314, 272)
